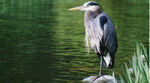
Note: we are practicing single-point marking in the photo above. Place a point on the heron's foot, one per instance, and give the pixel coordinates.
(96, 77)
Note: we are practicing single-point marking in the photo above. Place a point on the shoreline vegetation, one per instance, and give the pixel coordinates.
(139, 71)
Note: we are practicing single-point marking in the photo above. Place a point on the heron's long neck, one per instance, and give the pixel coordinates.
(89, 15)
(92, 35)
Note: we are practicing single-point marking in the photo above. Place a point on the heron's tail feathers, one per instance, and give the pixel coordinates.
(108, 61)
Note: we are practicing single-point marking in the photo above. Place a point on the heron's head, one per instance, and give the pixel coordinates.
(88, 6)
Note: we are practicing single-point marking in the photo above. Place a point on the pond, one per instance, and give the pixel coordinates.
(42, 42)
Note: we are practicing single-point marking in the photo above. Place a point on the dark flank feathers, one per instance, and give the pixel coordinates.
(109, 42)
(103, 20)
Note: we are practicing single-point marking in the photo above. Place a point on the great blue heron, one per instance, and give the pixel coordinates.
(100, 33)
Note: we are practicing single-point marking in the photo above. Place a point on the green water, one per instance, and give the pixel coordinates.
(42, 42)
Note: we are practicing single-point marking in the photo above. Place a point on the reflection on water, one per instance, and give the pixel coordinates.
(42, 42)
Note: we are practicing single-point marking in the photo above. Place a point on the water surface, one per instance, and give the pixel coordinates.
(42, 42)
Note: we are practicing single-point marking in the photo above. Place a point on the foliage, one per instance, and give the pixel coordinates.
(139, 71)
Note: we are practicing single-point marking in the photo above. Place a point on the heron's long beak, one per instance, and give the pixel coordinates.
(76, 8)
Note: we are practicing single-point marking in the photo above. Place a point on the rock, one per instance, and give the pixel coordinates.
(143, 58)
(130, 70)
(102, 79)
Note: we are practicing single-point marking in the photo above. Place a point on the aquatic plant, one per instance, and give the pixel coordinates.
(139, 71)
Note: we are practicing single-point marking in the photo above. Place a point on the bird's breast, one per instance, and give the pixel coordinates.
(93, 35)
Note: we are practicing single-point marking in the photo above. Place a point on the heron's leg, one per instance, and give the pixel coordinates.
(100, 69)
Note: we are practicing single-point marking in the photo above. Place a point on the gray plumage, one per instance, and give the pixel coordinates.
(100, 33)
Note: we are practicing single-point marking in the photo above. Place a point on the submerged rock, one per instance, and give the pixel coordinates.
(102, 79)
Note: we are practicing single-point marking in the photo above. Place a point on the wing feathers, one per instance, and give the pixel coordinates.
(109, 37)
